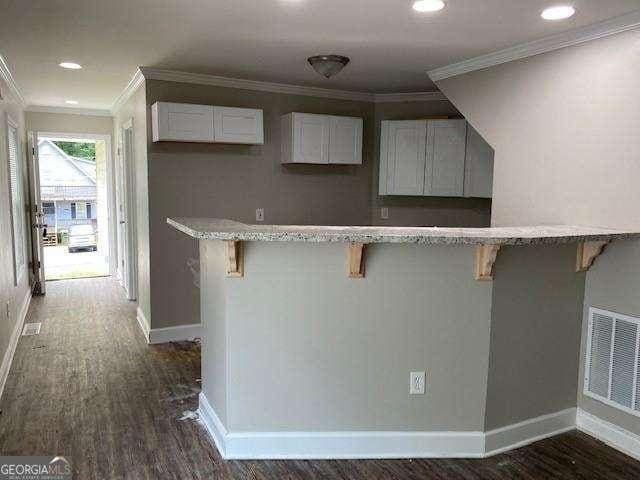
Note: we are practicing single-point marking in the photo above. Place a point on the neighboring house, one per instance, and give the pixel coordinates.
(67, 189)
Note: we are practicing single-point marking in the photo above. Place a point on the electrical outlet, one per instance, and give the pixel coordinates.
(259, 214)
(417, 382)
(384, 213)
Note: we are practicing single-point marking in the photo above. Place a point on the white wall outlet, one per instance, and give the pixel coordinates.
(384, 213)
(259, 214)
(417, 382)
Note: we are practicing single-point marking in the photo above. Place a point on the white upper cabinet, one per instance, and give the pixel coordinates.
(402, 157)
(182, 122)
(238, 125)
(438, 158)
(345, 140)
(185, 122)
(478, 175)
(446, 145)
(321, 139)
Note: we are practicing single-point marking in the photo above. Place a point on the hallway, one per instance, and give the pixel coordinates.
(89, 388)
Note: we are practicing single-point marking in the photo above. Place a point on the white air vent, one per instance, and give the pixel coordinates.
(611, 369)
(31, 329)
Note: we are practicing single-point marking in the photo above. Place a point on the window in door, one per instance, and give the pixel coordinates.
(89, 211)
(16, 200)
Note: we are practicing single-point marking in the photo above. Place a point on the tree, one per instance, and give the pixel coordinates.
(78, 149)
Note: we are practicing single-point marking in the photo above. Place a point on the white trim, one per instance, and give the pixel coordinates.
(617, 437)
(13, 341)
(174, 334)
(380, 444)
(543, 45)
(129, 184)
(434, 96)
(96, 112)
(218, 81)
(529, 431)
(143, 323)
(6, 75)
(212, 424)
(136, 80)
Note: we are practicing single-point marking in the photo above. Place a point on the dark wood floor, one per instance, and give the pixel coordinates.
(89, 388)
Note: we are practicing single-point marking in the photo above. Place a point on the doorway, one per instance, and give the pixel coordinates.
(76, 205)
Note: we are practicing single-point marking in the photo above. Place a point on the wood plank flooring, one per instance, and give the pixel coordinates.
(89, 388)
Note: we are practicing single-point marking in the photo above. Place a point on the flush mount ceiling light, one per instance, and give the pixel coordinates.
(328, 65)
(559, 12)
(71, 65)
(428, 5)
(71, 102)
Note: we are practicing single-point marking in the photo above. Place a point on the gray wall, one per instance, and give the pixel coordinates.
(15, 295)
(69, 123)
(209, 180)
(535, 333)
(310, 349)
(136, 109)
(564, 127)
(422, 211)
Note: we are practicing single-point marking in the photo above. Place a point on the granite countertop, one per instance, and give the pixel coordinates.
(224, 229)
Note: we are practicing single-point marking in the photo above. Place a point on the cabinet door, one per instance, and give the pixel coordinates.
(345, 141)
(404, 146)
(311, 138)
(238, 125)
(182, 122)
(446, 144)
(478, 168)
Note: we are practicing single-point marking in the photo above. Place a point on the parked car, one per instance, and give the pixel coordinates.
(82, 237)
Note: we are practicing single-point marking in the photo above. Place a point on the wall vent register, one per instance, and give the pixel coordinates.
(612, 361)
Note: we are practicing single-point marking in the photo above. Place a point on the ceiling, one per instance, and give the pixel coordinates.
(391, 46)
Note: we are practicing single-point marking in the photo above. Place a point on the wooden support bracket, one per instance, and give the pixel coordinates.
(355, 260)
(587, 253)
(485, 258)
(234, 259)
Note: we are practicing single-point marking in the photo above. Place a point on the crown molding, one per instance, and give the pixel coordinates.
(68, 110)
(544, 45)
(409, 97)
(214, 80)
(136, 80)
(6, 75)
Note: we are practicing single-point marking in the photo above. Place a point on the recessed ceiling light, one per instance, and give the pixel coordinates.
(559, 12)
(71, 65)
(428, 5)
(71, 102)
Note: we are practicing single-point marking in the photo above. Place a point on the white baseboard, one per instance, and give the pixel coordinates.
(13, 341)
(212, 423)
(617, 437)
(170, 334)
(523, 433)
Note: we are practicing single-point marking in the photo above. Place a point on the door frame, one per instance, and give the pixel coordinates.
(111, 194)
(127, 160)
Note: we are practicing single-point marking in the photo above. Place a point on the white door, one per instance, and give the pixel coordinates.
(446, 144)
(406, 143)
(127, 247)
(345, 145)
(311, 138)
(38, 228)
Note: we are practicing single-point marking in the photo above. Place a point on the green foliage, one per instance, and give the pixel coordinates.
(77, 149)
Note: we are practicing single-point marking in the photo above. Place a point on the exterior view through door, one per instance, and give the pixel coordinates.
(74, 206)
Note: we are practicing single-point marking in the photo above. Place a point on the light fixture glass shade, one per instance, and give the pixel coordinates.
(328, 65)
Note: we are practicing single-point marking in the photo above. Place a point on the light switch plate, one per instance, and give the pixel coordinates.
(384, 213)
(259, 214)
(417, 382)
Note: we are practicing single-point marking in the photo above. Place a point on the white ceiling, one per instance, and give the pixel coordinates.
(390, 45)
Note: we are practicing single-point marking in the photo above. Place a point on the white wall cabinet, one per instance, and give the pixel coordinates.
(434, 158)
(321, 139)
(478, 174)
(185, 122)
